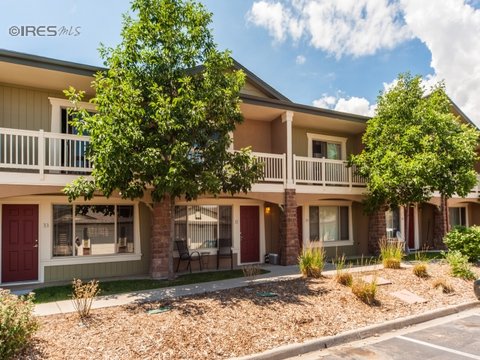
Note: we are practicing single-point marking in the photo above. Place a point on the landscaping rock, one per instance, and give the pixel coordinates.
(379, 280)
(408, 297)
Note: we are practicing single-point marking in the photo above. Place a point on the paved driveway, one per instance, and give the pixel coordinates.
(456, 337)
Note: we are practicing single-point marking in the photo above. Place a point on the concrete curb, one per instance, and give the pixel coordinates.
(290, 350)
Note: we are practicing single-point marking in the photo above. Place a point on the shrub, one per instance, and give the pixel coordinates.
(17, 323)
(83, 296)
(365, 291)
(420, 270)
(466, 240)
(311, 262)
(342, 277)
(391, 253)
(459, 265)
(447, 288)
(345, 279)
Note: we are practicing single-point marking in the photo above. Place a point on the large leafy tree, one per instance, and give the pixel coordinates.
(414, 146)
(165, 109)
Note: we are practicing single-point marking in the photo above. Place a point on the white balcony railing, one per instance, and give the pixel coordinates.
(325, 172)
(43, 152)
(274, 169)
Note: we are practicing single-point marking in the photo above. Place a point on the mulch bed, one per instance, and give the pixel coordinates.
(237, 322)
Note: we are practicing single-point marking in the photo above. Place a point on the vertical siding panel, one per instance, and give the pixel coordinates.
(2, 107)
(22, 105)
(7, 106)
(15, 101)
(29, 107)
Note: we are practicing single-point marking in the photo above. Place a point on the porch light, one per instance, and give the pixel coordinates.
(268, 209)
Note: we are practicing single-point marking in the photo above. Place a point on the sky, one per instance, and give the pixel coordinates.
(336, 54)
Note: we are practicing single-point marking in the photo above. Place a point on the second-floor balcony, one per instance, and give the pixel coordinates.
(45, 158)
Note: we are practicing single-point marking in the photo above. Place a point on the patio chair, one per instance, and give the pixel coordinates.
(185, 255)
(225, 251)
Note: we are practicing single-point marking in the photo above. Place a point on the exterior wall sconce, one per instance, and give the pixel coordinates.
(268, 209)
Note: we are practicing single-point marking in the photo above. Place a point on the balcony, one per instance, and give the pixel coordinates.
(41, 158)
(324, 172)
(44, 158)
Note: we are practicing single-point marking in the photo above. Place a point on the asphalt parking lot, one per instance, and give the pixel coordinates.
(452, 338)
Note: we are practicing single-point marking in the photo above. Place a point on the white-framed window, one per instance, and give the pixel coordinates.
(203, 226)
(58, 105)
(83, 230)
(457, 216)
(326, 146)
(330, 224)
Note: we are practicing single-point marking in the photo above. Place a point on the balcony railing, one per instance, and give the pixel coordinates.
(43, 152)
(324, 172)
(274, 169)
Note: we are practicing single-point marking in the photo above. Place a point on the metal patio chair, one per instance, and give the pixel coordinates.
(185, 255)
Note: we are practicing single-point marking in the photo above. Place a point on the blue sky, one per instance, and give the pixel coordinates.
(322, 52)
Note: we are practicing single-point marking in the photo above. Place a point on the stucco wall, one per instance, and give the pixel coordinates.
(253, 133)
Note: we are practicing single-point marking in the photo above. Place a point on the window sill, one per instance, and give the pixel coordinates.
(332, 243)
(91, 259)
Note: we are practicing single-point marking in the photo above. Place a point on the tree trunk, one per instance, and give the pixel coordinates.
(161, 262)
(444, 221)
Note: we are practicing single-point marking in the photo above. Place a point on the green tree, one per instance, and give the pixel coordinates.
(165, 109)
(414, 146)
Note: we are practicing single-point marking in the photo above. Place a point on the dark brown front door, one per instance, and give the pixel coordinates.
(410, 228)
(19, 243)
(300, 229)
(249, 234)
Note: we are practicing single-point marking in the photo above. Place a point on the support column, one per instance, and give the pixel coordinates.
(289, 230)
(440, 223)
(161, 239)
(377, 227)
(287, 117)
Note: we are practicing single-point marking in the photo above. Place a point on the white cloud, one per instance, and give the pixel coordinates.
(348, 27)
(271, 16)
(354, 105)
(450, 29)
(300, 60)
(451, 33)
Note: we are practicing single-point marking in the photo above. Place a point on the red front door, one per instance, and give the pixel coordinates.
(410, 228)
(19, 243)
(249, 234)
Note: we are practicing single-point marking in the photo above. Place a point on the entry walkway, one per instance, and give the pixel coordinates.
(276, 273)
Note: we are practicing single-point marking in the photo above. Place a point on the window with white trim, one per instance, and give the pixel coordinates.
(82, 230)
(326, 146)
(457, 216)
(329, 223)
(203, 225)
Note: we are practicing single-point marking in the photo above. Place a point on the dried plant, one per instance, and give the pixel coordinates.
(343, 276)
(391, 253)
(442, 283)
(311, 261)
(83, 295)
(251, 271)
(365, 291)
(420, 270)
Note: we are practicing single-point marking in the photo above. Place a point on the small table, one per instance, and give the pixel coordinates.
(204, 259)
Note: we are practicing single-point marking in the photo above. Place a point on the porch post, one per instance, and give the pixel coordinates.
(161, 238)
(288, 222)
(289, 230)
(377, 227)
